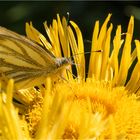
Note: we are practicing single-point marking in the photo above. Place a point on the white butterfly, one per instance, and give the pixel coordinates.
(24, 60)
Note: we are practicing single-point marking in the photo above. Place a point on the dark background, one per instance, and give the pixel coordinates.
(14, 14)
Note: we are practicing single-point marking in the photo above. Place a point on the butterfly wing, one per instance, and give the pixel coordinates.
(24, 60)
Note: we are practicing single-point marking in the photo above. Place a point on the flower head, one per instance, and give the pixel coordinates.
(103, 105)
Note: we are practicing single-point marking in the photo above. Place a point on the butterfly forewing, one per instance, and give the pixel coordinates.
(24, 60)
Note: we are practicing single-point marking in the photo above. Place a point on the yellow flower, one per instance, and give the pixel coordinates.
(103, 105)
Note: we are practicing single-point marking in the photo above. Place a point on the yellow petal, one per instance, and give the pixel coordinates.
(126, 55)
(97, 57)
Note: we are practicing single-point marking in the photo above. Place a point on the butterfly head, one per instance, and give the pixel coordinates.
(64, 61)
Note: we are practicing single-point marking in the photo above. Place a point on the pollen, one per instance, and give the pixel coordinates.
(33, 114)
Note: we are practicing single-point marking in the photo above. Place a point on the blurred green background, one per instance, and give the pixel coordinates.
(14, 14)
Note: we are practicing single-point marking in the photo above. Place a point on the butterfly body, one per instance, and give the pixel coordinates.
(25, 61)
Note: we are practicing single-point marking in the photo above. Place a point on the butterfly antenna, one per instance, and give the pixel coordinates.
(87, 41)
(84, 53)
(68, 18)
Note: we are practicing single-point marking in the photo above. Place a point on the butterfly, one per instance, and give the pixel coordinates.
(25, 61)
